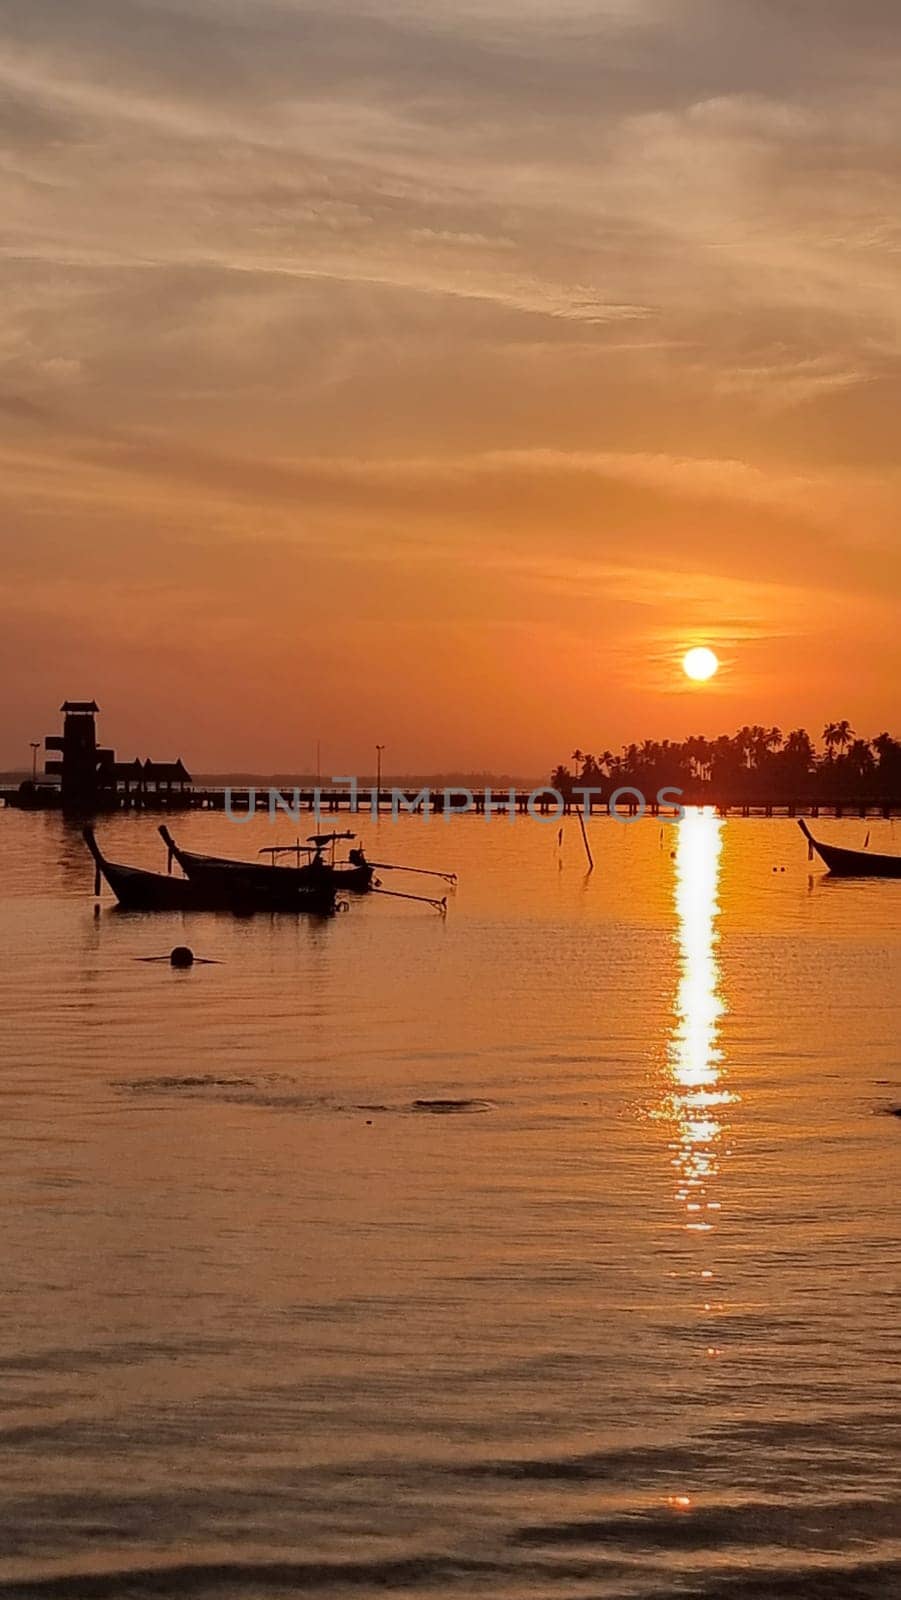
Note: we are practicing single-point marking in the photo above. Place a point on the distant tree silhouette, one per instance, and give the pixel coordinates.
(757, 765)
(837, 735)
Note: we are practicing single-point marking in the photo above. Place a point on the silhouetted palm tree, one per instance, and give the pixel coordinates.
(860, 758)
(799, 748)
(837, 735)
(755, 764)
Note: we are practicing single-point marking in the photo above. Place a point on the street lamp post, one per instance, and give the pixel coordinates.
(35, 747)
(378, 765)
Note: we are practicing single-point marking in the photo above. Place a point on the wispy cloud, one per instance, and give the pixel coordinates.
(450, 306)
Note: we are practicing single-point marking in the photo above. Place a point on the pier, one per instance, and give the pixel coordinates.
(328, 801)
(522, 802)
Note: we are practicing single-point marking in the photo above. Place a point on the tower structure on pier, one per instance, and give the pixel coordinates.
(91, 779)
(78, 770)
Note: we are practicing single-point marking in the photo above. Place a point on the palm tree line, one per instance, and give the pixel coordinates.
(756, 764)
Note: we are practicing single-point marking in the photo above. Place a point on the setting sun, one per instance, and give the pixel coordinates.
(700, 664)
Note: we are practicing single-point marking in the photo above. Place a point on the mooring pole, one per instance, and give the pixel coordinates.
(581, 816)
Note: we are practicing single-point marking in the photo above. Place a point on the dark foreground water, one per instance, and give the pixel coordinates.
(551, 1250)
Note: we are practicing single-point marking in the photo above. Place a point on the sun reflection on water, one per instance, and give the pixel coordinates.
(697, 1094)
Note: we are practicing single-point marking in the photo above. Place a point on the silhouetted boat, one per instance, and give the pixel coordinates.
(139, 890)
(852, 863)
(355, 874)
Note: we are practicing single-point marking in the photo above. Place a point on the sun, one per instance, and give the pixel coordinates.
(700, 664)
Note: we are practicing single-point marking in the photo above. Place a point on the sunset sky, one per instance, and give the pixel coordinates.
(438, 373)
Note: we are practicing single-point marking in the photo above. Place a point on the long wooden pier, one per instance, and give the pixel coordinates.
(328, 801)
(522, 802)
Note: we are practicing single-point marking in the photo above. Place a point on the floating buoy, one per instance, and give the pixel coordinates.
(183, 956)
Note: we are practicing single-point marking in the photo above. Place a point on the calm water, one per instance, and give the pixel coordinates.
(623, 1323)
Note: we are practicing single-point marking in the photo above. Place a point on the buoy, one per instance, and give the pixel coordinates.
(183, 956)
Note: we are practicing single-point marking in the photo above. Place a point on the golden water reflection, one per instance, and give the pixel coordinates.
(698, 1094)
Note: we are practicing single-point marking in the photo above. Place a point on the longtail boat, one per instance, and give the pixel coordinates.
(139, 890)
(355, 874)
(843, 863)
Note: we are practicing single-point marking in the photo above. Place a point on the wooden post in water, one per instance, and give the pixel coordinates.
(581, 816)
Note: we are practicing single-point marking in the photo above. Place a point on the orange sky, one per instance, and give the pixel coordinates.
(437, 374)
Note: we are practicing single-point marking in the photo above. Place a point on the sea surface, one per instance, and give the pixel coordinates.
(547, 1249)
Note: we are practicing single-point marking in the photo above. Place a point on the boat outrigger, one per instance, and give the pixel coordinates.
(844, 863)
(355, 874)
(139, 890)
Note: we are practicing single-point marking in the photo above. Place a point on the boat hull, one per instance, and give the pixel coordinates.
(844, 863)
(270, 879)
(148, 891)
(138, 890)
